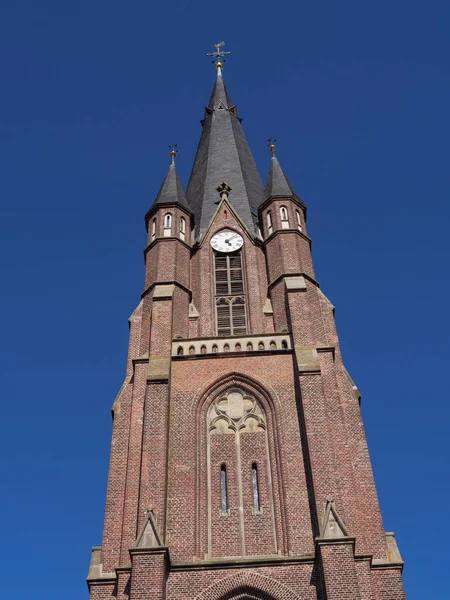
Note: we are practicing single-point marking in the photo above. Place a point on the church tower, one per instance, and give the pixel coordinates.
(239, 465)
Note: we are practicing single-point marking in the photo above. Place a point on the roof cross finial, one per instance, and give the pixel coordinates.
(218, 54)
(224, 189)
(271, 145)
(173, 152)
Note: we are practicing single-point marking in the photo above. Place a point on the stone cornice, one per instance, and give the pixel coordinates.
(172, 238)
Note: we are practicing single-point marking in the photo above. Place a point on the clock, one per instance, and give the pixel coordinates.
(226, 241)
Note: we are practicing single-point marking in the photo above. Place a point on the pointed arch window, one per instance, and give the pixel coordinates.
(223, 489)
(299, 220)
(153, 233)
(239, 477)
(284, 217)
(182, 228)
(269, 223)
(231, 317)
(167, 224)
(255, 486)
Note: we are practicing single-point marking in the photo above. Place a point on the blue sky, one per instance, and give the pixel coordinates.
(92, 93)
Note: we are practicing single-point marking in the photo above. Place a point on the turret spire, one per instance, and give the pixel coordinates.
(171, 191)
(277, 183)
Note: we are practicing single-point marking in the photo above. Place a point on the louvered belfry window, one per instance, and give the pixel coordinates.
(230, 301)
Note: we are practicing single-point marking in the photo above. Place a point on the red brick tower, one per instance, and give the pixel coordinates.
(239, 465)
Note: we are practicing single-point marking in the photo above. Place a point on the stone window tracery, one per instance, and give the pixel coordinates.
(239, 483)
(236, 412)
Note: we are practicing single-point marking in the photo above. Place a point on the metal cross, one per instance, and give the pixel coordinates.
(173, 151)
(271, 145)
(218, 54)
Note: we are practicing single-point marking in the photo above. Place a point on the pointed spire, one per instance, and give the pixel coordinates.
(219, 96)
(171, 191)
(223, 154)
(277, 183)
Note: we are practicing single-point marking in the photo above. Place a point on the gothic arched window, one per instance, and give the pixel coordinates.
(182, 228)
(223, 489)
(239, 477)
(299, 220)
(284, 217)
(167, 225)
(255, 486)
(153, 234)
(269, 223)
(230, 302)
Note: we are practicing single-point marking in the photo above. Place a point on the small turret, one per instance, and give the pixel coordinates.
(170, 196)
(281, 207)
(283, 223)
(169, 225)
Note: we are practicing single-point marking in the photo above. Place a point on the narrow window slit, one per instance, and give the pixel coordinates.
(223, 489)
(255, 485)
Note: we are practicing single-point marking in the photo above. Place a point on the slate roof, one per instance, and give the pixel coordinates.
(277, 183)
(223, 154)
(171, 191)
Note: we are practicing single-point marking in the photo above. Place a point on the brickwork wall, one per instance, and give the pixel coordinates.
(259, 527)
(225, 529)
(190, 399)
(283, 582)
(332, 415)
(115, 495)
(148, 577)
(388, 584)
(153, 466)
(131, 499)
(339, 572)
(314, 444)
(167, 260)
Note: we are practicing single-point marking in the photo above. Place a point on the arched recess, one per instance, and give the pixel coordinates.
(247, 585)
(258, 414)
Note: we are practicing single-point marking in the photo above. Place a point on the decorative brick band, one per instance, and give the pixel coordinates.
(248, 343)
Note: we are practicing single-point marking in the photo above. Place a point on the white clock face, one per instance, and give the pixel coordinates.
(226, 241)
